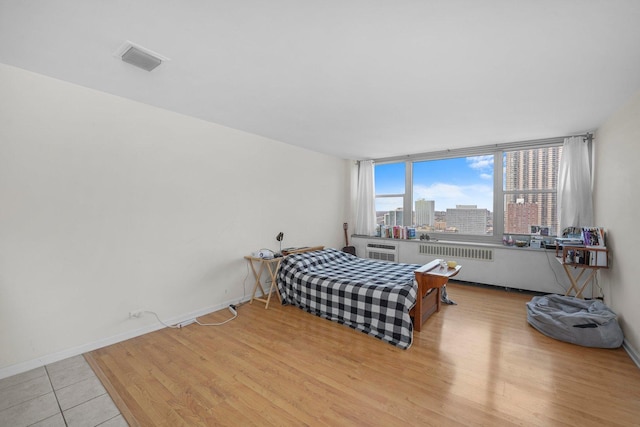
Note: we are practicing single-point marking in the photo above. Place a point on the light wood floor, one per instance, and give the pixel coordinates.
(476, 363)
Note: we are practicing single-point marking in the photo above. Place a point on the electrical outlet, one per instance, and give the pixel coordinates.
(135, 314)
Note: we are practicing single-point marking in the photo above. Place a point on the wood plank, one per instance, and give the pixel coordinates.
(475, 363)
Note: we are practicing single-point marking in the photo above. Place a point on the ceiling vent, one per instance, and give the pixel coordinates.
(139, 56)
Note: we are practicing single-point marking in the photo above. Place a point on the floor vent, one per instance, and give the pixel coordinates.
(382, 252)
(446, 251)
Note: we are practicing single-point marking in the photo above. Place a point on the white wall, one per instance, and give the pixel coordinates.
(110, 205)
(616, 201)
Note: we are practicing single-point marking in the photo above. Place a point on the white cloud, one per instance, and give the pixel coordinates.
(480, 162)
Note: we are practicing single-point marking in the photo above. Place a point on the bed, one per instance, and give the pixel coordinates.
(374, 297)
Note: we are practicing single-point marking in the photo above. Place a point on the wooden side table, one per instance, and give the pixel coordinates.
(430, 276)
(272, 266)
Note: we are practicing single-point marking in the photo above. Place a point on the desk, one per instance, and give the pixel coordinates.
(430, 276)
(272, 266)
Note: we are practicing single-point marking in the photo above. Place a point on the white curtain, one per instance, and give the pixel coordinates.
(575, 203)
(365, 200)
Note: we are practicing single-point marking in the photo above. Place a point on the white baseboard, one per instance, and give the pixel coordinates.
(184, 319)
(633, 354)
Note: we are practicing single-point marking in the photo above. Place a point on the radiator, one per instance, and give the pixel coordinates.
(382, 252)
(448, 251)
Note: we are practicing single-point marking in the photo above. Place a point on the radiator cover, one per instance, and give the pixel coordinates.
(382, 252)
(452, 251)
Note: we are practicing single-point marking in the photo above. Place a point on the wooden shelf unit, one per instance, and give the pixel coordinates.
(595, 258)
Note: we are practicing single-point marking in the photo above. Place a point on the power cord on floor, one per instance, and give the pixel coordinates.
(232, 309)
(178, 326)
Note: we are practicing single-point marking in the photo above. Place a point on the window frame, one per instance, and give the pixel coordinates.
(499, 209)
(395, 195)
(526, 192)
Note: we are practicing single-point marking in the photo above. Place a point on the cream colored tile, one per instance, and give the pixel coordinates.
(91, 413)
(69, 371)
(80, 392)
(118, 421)
(55, 421)
(30, 412)
(20, 378)
(24, 391)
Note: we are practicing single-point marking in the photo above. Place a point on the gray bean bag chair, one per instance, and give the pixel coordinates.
(589, 323)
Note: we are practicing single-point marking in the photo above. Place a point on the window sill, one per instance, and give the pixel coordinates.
(454, 242)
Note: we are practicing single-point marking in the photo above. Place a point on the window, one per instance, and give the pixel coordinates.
(390, 190)
(473, 194)
(530, 191)
(454, 196)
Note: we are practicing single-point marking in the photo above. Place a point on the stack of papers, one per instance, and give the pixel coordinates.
(569, 241)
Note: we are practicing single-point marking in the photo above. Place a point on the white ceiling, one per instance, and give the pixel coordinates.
(352, 78)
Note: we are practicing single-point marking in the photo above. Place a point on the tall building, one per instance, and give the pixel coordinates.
(467, 219)
(425, 212)
(535, 172)
(521, 216)
(393, 217)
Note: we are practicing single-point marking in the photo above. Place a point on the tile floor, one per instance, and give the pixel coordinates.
(65, 393)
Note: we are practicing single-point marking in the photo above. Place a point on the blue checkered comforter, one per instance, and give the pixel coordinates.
(370, 296)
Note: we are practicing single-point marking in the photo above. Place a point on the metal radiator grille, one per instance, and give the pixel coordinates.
(480, 254)
(382, 252)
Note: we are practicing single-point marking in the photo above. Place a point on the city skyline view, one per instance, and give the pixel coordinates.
(462, 190)
(448, 182)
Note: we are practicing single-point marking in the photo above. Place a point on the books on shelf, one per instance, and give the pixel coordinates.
(598, 258)
(397, 232)
(594, 239)
(593, 236)
(591, 256)
(587, 249)
(585, 256)
(590, 236)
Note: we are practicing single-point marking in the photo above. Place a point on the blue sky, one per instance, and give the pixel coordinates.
(450, 182)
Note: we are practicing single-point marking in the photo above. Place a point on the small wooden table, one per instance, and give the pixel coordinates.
(272, 266)
(430, 276)
(597, 259)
